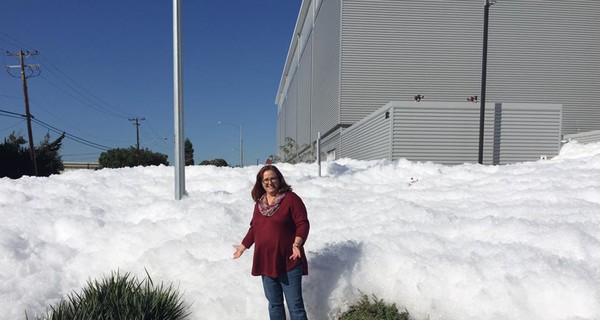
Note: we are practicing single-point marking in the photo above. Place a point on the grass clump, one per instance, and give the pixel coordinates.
(121, 297)
(373, 309)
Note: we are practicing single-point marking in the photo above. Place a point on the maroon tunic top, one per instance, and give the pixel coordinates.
(274, 237)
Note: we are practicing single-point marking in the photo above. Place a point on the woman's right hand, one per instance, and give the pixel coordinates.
(239, 250)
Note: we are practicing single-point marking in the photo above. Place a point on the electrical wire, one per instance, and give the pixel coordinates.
(72, 137)
(11, 41)
(69, 126)
(61, 76)
(103, 110)
(110, 110)
(56, 130)
(14, 125)
(7, 96)
(155, 139)
(102, 106)
(14, 114)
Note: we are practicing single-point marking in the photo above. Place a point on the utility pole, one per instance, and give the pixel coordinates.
(31, 67)
(137, 135)
(137, 131)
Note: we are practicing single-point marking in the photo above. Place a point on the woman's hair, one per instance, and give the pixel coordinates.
(258, 190)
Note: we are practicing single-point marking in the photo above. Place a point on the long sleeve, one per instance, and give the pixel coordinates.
(300, 217)
(249, 238)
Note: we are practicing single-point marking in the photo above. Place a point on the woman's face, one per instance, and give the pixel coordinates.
(270, 182)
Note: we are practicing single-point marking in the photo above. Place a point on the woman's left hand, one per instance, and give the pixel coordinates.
(295, 253)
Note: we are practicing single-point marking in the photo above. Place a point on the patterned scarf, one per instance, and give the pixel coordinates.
(269, 209)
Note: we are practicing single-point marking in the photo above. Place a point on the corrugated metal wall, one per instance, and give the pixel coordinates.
(325, 112)
(394, 50)
(332, 142)
(548, 52)
(304, 94)
(440, 132)
(449, 132)
(280, 139)
(539, 52)
(370, 138)
(291, 112)
(311, 99)
(584, 137)
(526, 131)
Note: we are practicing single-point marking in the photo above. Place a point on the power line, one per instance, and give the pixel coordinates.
(12, 113)
(99, 108)
(70, 126)
(109, 109)
(72, 137)
(7, 96)
(56, 130)
(156, 137)
(12, 41)
(79, 90)
(12, 126)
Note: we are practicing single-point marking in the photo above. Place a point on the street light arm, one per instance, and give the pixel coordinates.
(230, 124)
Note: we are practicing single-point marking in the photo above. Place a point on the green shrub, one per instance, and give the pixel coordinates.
(121, 297)
(131, 157)
(375, 310)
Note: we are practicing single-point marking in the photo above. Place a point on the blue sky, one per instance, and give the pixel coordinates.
(103, 62)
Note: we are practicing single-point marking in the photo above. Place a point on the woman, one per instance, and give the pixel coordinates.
(278, 229)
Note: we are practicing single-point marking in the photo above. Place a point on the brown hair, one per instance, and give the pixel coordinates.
(258, 190)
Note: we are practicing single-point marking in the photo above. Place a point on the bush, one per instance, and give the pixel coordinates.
(376, 310)
(214, 162)
(16, 161)
(121, 297)
(131, 157)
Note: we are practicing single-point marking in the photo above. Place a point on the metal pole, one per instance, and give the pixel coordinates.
(319, 151)
(178, 105)
(241, 149)
(486, 12)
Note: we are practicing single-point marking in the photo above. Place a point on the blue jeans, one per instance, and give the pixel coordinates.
(290, 285)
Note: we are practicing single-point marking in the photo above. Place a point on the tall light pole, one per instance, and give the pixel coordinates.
(241, 140)
(486, 13)
(179, 152)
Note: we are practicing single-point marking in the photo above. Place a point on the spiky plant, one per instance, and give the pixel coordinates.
(121, 297)
(377, 309)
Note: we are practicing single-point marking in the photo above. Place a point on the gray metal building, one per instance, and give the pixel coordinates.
(348, 58)
(448, 133)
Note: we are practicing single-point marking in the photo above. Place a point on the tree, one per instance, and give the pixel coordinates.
(214, 162)
(189, 152)
(16, 161)
(290, 150)
(293, 153)
(48, 159)
(273, 158)
(120, 157)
